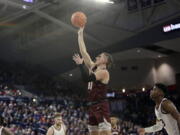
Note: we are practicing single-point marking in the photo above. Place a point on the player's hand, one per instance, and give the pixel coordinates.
(141, 131)
(78, 60)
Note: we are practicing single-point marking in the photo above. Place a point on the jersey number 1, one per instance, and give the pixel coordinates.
(90, 85)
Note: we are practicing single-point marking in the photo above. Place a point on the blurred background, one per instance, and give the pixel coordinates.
(38, 76)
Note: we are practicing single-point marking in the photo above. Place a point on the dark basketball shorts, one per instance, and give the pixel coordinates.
(99, 117)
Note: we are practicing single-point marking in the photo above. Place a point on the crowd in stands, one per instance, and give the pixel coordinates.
(28, 118)
(33, 117)
(36, 80)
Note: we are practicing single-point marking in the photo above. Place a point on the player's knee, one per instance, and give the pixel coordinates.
(105, 132)
(94, 133)
(92, 128)
(104, 126)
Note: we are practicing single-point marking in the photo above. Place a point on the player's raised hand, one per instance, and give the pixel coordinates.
(80, 31)
(78, 60)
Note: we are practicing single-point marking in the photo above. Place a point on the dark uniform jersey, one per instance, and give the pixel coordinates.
(97, 91)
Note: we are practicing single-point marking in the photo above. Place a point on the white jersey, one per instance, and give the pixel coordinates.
(62, 131)
(1, 128)
(170, 123)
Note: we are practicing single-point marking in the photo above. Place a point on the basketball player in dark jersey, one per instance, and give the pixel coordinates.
(97, 78)
(115, 126)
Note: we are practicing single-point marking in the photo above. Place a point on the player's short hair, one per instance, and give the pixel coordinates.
(162, 87)
(56, 115)
(109, 60)
(115, 116)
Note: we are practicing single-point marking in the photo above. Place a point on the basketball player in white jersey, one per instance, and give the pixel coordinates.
(58, 128)
(115, 126)
(167, 115)
(3, 130)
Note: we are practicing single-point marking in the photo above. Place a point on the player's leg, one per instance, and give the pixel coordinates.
(93, 130)
(105, 132)
(93, 124)
(105, 124)
(94, 133)
(105, 128)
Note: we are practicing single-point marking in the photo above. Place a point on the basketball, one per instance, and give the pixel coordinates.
(78, 19)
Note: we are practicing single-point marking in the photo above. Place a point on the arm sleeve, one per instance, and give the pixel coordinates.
(85, 75)
(157, 127)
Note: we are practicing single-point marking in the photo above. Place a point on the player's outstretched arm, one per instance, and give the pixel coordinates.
(82, 47)
(155, 128)
(170, 108)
